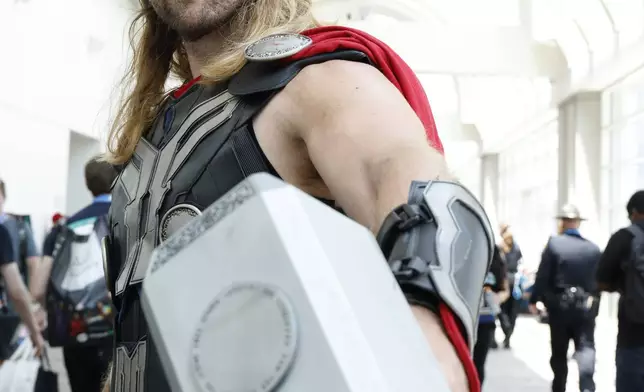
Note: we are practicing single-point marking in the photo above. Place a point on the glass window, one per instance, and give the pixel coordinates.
(637, 127)
(605, 148)
(628, 182)
(605, 186)
(529, 194)
(615, 146)
(628, 140)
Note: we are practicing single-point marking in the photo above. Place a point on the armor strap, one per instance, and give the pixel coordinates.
(439, 247)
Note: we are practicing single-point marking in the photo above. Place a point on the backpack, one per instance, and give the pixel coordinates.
(633, 294)
(78, 304)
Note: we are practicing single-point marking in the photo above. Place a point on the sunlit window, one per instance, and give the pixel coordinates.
(623, 147)
(528, 178)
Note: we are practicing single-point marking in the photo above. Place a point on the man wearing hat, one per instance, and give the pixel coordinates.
(566, 285)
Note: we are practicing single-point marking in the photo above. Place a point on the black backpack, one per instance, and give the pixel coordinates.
(78, 304)
(632, 297)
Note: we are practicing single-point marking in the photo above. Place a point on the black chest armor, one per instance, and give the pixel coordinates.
(200, 146)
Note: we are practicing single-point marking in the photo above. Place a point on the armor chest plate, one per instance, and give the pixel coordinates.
(162, 175)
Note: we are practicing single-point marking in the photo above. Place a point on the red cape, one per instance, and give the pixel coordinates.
(333, 38)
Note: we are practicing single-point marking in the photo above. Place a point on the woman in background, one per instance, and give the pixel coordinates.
(510, 307)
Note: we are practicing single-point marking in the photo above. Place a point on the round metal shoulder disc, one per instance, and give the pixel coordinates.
(276, 46)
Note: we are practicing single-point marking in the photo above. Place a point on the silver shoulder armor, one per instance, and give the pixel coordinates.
(439, 246)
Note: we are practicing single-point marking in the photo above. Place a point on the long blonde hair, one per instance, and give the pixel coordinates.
(158, 52)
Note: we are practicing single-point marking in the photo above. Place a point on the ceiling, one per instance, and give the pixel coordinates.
(493, 63)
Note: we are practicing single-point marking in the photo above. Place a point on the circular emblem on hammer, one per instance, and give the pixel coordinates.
(276, 46)
(246, 340)
(175, 218)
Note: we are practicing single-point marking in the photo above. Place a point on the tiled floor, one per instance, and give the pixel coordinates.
(524, 368)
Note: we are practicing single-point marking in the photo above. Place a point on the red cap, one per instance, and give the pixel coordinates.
(57, 216)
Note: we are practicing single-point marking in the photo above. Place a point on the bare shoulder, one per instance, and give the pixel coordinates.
(345, 75)
(339, 81)
(324, 97)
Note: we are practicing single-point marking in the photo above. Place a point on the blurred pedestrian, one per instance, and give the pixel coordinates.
(565, 283)
(621, 269)
(510, 307)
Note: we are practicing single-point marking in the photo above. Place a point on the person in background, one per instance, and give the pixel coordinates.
(27, 262)
(565, 283)
(18, 293)
(57, 218)
(31, 256)
(621, 269)
(86, 365)
(510, 308)
(495, 291)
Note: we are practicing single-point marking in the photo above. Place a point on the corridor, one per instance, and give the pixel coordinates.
(526, 367)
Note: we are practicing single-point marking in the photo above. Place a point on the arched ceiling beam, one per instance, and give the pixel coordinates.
(452, 50)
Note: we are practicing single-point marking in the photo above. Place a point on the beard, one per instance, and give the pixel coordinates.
(193, 19)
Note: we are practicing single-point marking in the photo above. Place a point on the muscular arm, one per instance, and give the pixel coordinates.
(368, 145)
(362, 136)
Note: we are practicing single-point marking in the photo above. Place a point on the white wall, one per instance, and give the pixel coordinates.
(60, 63)
(62, 59)
(33, 163)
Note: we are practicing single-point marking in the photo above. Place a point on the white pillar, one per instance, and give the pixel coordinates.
(489, 188)
(580, 159)
(580, 169)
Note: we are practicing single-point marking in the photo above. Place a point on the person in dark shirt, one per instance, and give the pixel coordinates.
(86, 365)
(495, 290)
(22, 238)
(610, 277)
(510, 307)
(565, 283)
(17, 290)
